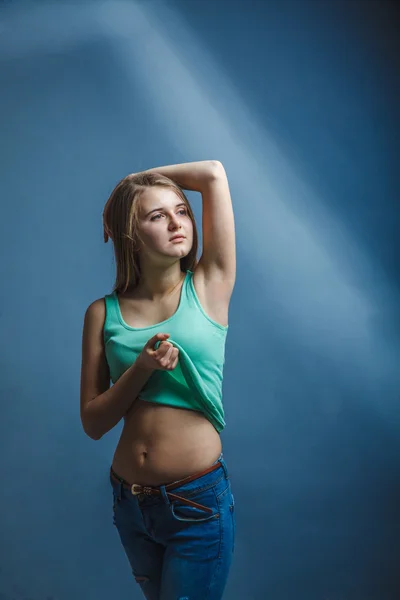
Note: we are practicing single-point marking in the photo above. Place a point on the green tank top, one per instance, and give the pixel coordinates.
(196, 381)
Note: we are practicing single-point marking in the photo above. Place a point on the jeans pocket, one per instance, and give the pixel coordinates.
(184, 512)
(195, 514)
(196, 531)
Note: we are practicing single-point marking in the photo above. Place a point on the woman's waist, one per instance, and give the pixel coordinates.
(160, 443)
(151, 422)
(187, 486)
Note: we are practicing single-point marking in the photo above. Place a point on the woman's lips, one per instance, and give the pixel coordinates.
(178, 239)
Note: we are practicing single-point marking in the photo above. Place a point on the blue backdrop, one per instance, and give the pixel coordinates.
(299, 101)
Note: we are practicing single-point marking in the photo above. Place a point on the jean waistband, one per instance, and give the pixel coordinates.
(177, 483)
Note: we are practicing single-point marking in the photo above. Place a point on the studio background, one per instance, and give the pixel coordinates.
(299, 100)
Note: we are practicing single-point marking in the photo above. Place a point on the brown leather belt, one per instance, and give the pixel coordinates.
(136, 488)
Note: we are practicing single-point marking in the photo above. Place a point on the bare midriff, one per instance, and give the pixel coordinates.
(161, 444)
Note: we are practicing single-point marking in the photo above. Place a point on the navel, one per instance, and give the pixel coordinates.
(143, 457)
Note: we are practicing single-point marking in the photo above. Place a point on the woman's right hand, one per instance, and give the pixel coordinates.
(165, 358)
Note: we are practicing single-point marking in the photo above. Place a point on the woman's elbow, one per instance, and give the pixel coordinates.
(90, 431)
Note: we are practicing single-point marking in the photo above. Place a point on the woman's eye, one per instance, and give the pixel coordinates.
(159, 215)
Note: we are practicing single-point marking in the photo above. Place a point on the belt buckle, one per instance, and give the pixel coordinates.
(136, 489)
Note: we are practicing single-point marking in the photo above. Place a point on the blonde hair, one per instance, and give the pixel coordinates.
(121, 224)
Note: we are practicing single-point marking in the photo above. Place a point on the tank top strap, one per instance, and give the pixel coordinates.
(111, 319)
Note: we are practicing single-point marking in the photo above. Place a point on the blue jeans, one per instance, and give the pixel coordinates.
(177, 551)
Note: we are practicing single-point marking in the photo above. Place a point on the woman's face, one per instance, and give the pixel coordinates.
(162, 215)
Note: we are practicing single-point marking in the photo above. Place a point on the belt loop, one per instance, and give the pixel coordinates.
(117, 485)
(223, 465)
(164, 495)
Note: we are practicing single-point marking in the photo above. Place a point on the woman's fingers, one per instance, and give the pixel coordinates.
(167, 355)
(163, 353)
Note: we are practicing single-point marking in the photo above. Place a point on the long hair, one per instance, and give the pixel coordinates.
(121, 224)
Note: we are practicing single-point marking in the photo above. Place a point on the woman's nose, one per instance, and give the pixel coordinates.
(175, 220)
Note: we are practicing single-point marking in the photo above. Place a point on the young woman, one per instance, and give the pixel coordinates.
(160, 338)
